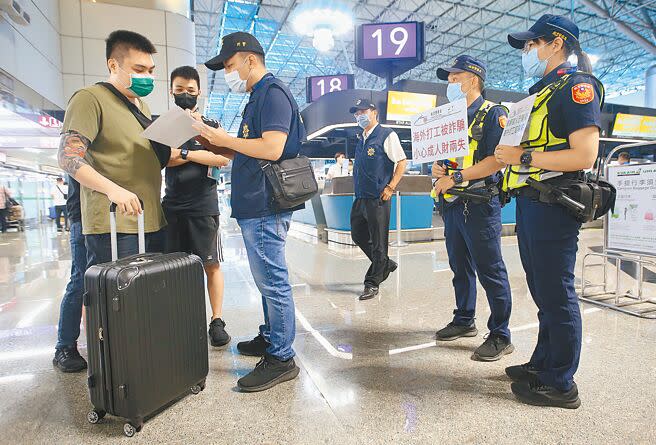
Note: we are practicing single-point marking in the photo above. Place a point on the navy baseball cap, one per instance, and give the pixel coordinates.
(362, 104)
(463, 63)
(547, 25)
(232, 44)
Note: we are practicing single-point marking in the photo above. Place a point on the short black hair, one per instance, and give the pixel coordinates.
(259, 56)
(121, 41)
(186, 72)
(624, 155)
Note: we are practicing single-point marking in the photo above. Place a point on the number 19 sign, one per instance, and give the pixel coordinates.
(389, 41)
(318, 86)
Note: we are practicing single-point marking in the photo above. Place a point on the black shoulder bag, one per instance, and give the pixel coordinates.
(292, 180)
(163, 152)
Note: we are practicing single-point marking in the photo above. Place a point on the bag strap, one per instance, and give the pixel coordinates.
(163, 152)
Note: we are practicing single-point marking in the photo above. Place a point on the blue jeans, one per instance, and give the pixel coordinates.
(264, 239)
(99, 247)
(70, 311)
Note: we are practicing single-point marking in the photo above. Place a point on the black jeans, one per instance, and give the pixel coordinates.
(3, 220)
(370, 219)
(59, 211)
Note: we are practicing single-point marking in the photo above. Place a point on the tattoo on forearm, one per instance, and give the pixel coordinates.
(72, 148)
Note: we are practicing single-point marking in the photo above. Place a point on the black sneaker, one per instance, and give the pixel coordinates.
(452, 332)
(68, 359)
(268, 373)
(391, 267)
(368, 293)
(522, 373)
(538, 394)
(217, 333)
(493, 348)
(255, 348)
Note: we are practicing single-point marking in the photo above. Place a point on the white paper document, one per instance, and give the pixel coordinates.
(440, 133)
(518, 118)
(172, 128)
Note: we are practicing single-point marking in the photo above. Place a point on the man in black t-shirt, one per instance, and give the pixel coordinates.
(191, 203)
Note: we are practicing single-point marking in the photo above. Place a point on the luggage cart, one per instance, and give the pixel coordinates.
(16, 217)
(632, 301)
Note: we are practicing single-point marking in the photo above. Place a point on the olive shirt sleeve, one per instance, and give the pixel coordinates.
(495, 121)
(83, 115)
(576, 106)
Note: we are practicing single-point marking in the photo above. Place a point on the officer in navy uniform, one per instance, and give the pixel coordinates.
(473, 230)
(272, 130)
(378, 168)
(562, 141)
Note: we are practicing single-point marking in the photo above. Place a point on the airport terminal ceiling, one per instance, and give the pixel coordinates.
(474, 27)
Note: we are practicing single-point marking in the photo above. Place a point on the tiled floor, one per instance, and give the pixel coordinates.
(371, 372)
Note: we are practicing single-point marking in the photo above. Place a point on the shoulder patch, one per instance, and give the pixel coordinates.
(503, 120)
(582, 93)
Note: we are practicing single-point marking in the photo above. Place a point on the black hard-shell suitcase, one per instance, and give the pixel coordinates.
(146, 337)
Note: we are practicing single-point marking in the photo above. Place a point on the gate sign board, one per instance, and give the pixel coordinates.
(440, 133)
(318, 86)
(632, 226)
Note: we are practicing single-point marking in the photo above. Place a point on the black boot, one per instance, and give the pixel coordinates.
(255, 348)
(217, 333)
(68, 359)
(268, 373)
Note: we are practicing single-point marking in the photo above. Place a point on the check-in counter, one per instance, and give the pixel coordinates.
(416, 209)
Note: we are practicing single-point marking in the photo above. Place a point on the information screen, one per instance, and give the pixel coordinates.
(401, 105)
(636, 126)
(388, 41)
(318, 86)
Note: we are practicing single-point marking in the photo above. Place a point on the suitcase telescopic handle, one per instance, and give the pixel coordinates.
(141, 232)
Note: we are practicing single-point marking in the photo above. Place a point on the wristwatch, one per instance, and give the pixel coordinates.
(526, 158)
(183, 153)
(457, 177)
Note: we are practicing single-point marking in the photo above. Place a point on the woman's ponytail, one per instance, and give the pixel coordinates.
(584, 63)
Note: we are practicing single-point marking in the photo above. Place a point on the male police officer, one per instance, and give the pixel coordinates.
(379, 166)
(272, 130)
(473, 230)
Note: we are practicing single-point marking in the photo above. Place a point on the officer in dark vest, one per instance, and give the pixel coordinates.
(379, 166)
(473, 229)
(271, 129)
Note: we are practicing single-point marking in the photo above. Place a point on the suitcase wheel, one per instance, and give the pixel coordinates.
(196, 389)
(130, 430)
(94, 416)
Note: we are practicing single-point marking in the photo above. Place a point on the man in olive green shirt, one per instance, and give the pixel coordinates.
(102, 148)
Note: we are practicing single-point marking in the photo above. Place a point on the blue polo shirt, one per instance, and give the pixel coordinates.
(251, 192)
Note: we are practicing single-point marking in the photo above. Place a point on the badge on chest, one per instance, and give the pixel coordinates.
(371, 151)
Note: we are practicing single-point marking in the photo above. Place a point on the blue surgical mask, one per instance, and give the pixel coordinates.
(363, 121)
(533, 66)
(454, 92)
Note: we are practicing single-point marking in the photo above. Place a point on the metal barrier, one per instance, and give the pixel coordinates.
(602, 294)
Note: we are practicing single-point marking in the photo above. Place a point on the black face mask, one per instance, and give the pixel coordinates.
(185, 101)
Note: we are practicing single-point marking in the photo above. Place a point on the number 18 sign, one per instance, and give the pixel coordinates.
(318, 86)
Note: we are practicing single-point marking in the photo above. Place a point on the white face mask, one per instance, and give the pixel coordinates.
(236, 83)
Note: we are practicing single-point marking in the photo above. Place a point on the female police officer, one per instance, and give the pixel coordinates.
(563, 139)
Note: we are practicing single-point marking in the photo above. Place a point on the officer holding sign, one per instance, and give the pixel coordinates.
(563, 140)
(473, 228)
(379, 166)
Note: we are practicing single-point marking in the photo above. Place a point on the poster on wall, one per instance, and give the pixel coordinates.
(632, 225)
